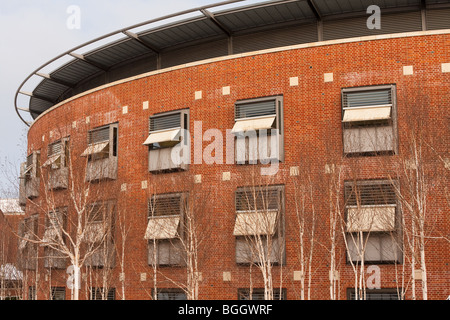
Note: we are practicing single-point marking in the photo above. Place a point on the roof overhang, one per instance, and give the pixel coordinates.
(204, 24)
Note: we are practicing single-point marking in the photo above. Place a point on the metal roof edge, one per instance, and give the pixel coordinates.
(247, 54)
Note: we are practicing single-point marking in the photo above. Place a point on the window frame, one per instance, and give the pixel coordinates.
(174, 245)
(278, 237)
(374, 124)
(32, 167)
(184, 116)
(278, 124)
(111, 144)
(27, 250)
(244, 294)
(106, 210)
(376, 236)
(382, 291)
(49, 260)
(63, 154)
(95, 293)
(161, 150)
(170, 291)
(101, 258)
(55, 291)
(32, 293)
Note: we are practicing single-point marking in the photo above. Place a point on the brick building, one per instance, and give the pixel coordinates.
(10, 277)
(278, 150)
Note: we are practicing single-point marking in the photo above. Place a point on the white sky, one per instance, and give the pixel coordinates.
(33, 32)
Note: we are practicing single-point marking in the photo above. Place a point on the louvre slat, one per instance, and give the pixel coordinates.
(99, 294)
(367, 98)
(30, 160)
(165, 295)
(165, 122)
(377, 296)
(164, 205)
(255, 109)
(365, 195)
(258, 294)
(99, 135)
(54, 148)
(58, 293)
(257, 200)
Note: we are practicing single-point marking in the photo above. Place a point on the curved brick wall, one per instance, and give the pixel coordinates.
(312, 138)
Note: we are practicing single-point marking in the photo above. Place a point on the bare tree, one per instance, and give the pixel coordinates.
(333, 181)
(123, 228)
(175, 233)
(306, 217)
(422, 175)
(9, 170)
(78, 221)
(259, 229)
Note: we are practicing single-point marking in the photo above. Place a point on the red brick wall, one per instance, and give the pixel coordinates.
(312, 135)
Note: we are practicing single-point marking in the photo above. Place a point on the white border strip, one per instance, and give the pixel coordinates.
(248, 54)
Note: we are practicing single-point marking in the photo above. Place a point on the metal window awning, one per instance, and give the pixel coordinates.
(253, 124)
(27, 171)
(367, 114)
(95, 149)
(255, 223)
(365, 219)
(163, 136)
(52, 160)
(162, 228)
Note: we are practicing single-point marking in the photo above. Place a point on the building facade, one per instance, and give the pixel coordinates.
(280, 168)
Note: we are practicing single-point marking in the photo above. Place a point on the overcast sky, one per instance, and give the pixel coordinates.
(33, 32)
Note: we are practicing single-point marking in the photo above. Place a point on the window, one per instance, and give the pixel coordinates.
(258, 294)
(57, 163)
(167, 137)
(372, 221)
(32, 168)
(58, 293)
(258, 129)
(171, 294)
(165, 229)
(376, 294)
(30, 176)
(32, 293)
(103, 294)
(55, 223)
(259, 225)
(99, 234)
(101, 153)
(369, 120)
(57, 154)
(28, 230)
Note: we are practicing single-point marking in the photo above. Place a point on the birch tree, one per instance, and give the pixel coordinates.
(306, 214)
(78, 221)
(259, 231)
(176, 231)
(331, 180)
(422, 174)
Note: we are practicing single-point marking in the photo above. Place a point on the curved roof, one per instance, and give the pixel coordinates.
(213, 32)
